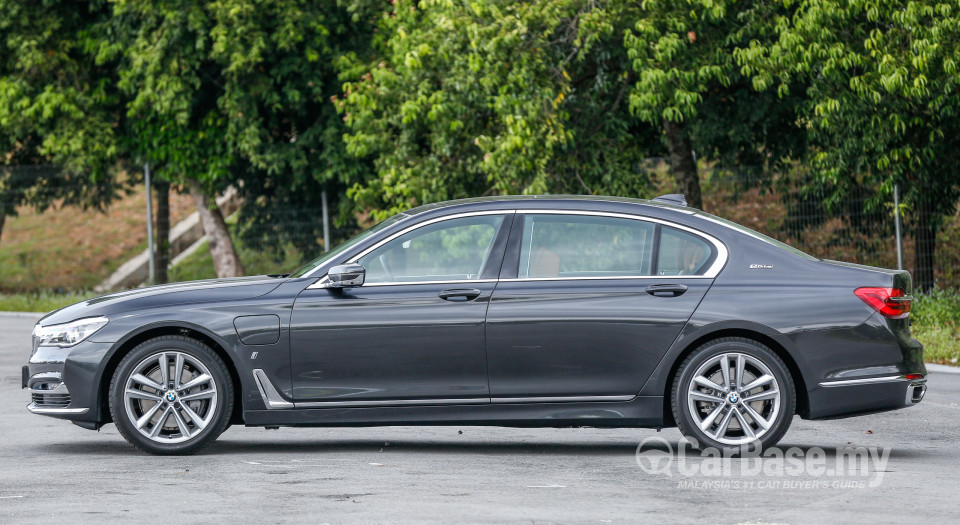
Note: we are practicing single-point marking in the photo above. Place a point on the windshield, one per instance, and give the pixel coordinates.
(305, 270)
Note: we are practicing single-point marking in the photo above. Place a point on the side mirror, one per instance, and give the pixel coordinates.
(346, 276)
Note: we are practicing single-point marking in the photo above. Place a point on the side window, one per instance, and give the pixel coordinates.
(585, 246)
(451, 250)
(683, 253)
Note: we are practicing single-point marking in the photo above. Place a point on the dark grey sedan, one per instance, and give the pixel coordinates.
(546, 311)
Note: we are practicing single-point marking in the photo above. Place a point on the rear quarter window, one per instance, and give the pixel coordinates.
(683, 253)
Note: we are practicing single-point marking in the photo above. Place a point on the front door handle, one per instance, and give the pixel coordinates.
(666, 290)
(460, 294)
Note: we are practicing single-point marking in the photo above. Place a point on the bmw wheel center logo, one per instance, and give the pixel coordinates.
(734, 398)
(171, 396)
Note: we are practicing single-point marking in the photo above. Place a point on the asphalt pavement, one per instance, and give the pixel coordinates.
(54, 472)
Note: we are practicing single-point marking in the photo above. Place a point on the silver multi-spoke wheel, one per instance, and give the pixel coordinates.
(734, 398)
(170, 397)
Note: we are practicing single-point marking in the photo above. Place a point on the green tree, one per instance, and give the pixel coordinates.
(882, 94)
(59, 107)
(176, 125)
(237, 93)
(472, 98)
(690, 84)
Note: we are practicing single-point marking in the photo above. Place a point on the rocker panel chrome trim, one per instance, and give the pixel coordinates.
(393, 402)
(273, 400)
(561, 399)
(865, 381)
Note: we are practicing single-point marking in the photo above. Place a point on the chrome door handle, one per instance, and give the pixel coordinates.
(666, 290)
(460, 294)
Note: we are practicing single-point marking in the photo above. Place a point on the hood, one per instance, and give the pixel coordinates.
(189, 292)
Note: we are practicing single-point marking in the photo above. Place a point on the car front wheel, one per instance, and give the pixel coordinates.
(171, 395)
(733, 392)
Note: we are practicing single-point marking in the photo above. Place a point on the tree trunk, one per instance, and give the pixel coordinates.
(163, 230)
(3, 219)
(682, 163)
(926, 239)
(225, 259)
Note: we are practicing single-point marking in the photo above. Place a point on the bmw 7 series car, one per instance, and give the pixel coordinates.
(546, 311)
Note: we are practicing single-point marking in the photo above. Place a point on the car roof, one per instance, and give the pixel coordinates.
(703, 221)
(538, 201)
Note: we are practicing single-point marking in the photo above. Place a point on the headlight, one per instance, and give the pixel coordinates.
(68, 334)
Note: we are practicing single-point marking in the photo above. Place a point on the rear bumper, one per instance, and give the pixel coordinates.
(845, 398)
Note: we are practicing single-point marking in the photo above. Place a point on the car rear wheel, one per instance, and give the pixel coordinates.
(171, 395)
(733, 392)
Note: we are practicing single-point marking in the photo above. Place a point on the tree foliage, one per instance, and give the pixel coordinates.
(234, 92)
(59, 106)
(882, 99)
(386, 105)
(688, 80)
(470, 98)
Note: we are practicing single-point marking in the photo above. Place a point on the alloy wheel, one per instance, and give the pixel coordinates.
(170, 397)
(734, 398)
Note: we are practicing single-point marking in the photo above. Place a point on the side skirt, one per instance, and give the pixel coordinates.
(641, 411)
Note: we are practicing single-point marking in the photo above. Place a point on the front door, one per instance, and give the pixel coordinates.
(414, 332)
(589, 303)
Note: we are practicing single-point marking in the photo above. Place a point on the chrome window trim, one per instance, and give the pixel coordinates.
(608, 278)
(407, 283)
(711, 273)
(864, 381)
(324, 283)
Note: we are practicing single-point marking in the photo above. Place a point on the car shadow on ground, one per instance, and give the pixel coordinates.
(452, 446)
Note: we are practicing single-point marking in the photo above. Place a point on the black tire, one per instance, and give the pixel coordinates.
(689, 411)
(182, 427)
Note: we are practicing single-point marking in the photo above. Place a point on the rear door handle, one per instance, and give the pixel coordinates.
(460, 294)
(666, 290)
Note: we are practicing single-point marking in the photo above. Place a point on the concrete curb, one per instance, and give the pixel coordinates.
(27, 315)
(943, 369)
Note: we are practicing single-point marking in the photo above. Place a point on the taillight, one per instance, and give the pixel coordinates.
(890, 302)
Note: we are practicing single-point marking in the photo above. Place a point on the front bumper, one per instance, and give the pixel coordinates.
(63, 381)
(49, 394)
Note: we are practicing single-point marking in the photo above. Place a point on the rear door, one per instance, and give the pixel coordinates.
(588, 303)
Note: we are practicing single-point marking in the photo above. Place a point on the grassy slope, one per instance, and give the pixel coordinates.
(40, 301)
(72, 249)
(199, 264)
(935, 320)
